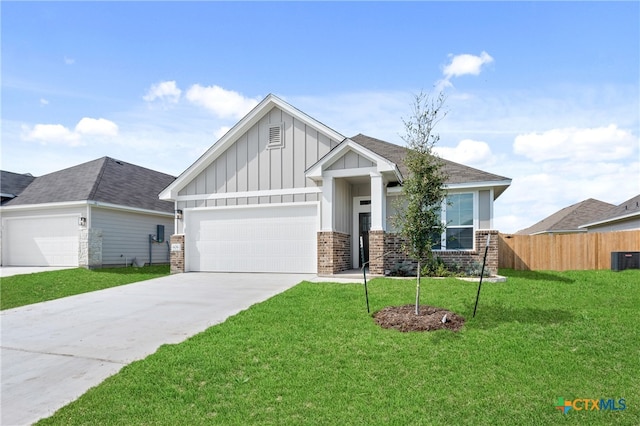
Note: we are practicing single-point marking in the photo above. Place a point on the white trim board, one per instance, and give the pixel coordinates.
(263, 193)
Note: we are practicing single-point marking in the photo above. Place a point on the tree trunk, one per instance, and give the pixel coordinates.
(418, 291)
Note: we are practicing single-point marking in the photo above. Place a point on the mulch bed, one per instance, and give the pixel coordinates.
(404, 318)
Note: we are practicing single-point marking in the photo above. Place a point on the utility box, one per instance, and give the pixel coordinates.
(160, 233)
(621, 260)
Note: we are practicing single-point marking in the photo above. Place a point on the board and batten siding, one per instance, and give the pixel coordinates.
(126, 235)
(350, 160)
(250, 165)
(342, 205)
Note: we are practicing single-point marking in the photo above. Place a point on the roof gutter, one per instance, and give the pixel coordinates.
(45, 206)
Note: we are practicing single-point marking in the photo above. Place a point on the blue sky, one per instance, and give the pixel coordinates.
(545, 93)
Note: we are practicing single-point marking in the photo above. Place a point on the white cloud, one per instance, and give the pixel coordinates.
(221, 131)
(468, 152)
(480, 131)
(69, 61)
(539, 190)
(166, 91)
(223, 103)
(464, 64)
(581, 144)
(96, 126)
(52, 133)
(59, 134)
(43, 102)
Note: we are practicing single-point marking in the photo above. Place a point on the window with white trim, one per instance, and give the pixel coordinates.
(458, 217)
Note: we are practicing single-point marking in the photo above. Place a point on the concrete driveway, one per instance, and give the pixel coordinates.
(53, 352)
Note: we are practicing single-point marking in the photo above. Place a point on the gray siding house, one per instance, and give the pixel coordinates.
(100, 213)
(624, 217)
(282, 192)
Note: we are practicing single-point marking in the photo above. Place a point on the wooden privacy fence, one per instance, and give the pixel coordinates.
(551, 252)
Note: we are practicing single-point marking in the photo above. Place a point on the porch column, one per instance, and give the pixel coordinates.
(378, 225)
(177, 253)
(378, 203)
(326, 217)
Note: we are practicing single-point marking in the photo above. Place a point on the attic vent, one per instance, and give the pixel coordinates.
(276, 136)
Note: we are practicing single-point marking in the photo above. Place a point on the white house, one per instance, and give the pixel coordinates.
(282, 192)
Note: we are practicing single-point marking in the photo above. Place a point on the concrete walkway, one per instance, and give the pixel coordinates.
(53, 352)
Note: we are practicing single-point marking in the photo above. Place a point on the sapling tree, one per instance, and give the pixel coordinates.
(418, 216)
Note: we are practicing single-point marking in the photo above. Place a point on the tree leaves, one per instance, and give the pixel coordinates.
(419, 219)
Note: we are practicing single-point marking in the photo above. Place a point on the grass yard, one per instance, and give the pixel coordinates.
(20, 290)
(313, 355)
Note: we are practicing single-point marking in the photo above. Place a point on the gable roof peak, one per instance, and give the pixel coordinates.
(245, 123)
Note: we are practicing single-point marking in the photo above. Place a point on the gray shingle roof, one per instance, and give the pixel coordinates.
(12, 184)
(104, 180)
(626, 208)
(570, 218)
(456, 173)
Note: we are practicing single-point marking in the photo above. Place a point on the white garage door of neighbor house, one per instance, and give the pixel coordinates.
(40, 241)
(252, 239)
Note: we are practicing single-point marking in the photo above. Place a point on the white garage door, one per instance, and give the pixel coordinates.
(252, 239)
(40, 241)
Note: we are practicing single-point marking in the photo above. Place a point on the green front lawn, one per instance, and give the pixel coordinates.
(20, 290)
(313, 355)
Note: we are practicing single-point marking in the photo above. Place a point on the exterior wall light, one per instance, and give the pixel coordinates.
(82, 221)
(178, 214)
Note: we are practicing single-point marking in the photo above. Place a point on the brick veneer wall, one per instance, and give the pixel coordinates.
(177, 257)
(377, 252)
(334, 252)
(395, 254)
(466, 258)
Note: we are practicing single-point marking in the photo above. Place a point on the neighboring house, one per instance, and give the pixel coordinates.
(12, 184)
(103, 212)
(282, 192)
(624, 217)
(569, 219)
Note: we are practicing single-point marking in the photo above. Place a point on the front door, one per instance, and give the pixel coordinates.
(359, 224)
(364, 225)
